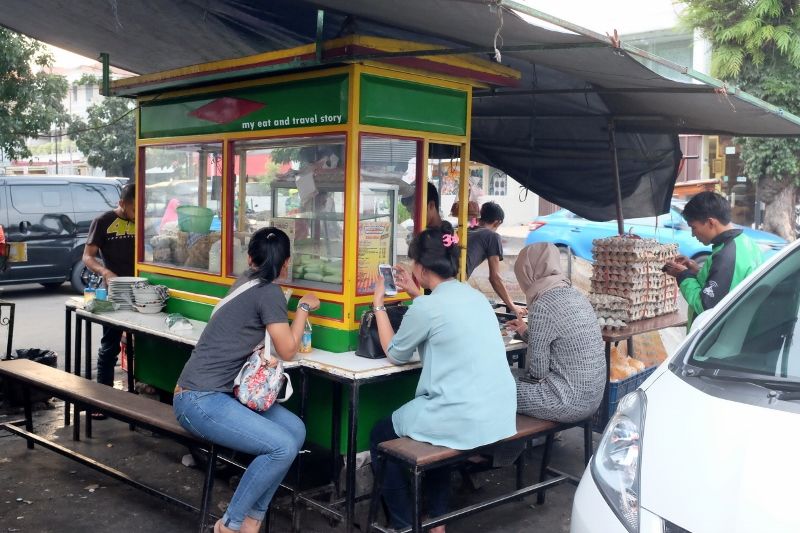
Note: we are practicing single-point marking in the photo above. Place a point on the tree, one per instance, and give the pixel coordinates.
(108, 136)
(31, 98)
(756, 43)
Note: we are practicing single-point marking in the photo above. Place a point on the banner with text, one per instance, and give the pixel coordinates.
(298, 104)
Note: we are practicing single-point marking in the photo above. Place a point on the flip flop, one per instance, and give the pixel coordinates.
(98, 416)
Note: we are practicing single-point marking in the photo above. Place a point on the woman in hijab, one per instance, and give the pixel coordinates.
(565, 369)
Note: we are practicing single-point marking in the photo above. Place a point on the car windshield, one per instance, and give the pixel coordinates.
(760, 332)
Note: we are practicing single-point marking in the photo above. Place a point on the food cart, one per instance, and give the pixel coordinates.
(336, 156)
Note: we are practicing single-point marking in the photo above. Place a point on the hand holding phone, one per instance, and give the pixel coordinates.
(389, 284)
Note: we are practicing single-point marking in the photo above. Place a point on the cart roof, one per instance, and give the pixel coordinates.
(550, 133)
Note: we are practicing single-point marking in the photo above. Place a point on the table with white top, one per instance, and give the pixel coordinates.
(341, 369)
(131, 322)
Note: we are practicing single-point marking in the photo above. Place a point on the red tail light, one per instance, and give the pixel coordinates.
(536, 224)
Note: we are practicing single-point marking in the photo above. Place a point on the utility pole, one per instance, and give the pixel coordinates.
(56, 137)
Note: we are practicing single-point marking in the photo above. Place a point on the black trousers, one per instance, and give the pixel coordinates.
(397, 487)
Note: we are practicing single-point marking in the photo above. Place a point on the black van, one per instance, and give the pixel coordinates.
(52, 214)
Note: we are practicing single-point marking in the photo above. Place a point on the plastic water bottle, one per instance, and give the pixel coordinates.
(88, 294)
(305, 340)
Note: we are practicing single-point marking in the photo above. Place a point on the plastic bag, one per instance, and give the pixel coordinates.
(178, 322)
(100, 306)
(12, 391)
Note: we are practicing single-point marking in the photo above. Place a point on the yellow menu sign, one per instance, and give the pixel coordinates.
(374, 248)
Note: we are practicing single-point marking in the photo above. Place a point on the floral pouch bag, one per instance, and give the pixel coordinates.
(262, 376)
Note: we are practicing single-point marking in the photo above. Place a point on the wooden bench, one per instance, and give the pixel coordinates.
(419, 457)
(94, 397)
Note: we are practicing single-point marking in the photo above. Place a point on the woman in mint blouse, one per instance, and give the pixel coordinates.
(466, 395)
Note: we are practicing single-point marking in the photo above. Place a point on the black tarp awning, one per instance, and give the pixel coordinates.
(550, 133)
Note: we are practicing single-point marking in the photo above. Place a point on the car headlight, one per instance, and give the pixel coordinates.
(616, 466)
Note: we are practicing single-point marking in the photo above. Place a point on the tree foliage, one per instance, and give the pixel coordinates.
(108, 136)
(756, 44)
(31, 99)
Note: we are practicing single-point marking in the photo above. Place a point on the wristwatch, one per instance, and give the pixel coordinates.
(379, 308)
(305, 307)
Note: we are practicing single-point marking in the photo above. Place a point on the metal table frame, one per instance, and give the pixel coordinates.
(349, 499)
(8, 321)
(82, 327)
(87, 319)
(627, 333)
(515, 353)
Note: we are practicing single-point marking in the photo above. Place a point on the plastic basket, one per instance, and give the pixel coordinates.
(616, 390)
(195, 219)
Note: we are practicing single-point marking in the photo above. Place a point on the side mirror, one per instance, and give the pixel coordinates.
(68, 225)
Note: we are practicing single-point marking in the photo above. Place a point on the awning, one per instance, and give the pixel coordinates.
(550, 133)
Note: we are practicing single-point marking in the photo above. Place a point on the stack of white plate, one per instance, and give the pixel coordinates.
(149, 298)
(120, 291)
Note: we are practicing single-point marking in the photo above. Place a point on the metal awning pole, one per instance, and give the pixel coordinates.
(612, 146)
(320, 29)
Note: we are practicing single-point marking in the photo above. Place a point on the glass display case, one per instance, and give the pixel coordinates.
(308, 203)
(377, 219)
(388, 176)
(339, 158)
(182, 208)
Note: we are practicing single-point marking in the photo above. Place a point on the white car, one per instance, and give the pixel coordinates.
(711, 441)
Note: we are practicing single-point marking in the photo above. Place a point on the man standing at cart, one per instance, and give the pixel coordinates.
(485, 244)
(733, 254)
(111, 235)
(433, 217)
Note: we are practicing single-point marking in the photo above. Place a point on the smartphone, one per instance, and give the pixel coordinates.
(387, 273)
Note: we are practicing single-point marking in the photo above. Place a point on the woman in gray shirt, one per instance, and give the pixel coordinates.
(565, 372)
(203, 401)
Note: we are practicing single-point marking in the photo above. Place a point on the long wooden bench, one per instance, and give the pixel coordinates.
(420, 457)
(90, 396)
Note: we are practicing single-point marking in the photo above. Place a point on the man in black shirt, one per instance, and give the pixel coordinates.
(485, 244)
(111, 235)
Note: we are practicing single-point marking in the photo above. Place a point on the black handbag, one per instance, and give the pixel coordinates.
(369, 343)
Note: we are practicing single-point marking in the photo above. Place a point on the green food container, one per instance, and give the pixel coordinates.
(195, 219)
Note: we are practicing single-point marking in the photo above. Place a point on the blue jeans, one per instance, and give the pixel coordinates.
(274, 437)
(107, 355)
(397, 487)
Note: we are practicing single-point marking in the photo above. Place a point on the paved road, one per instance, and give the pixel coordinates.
(39, 321)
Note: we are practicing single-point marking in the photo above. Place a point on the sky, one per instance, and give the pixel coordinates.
(67, 59)
(604, 16)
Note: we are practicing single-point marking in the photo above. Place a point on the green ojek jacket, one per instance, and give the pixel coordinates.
(733, 257)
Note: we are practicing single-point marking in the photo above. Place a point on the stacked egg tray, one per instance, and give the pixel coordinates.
(627, 282)
(611, 311)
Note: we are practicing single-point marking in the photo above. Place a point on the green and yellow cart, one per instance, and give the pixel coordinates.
(337, 156)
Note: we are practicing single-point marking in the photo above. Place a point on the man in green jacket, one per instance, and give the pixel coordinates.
(733, 255)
